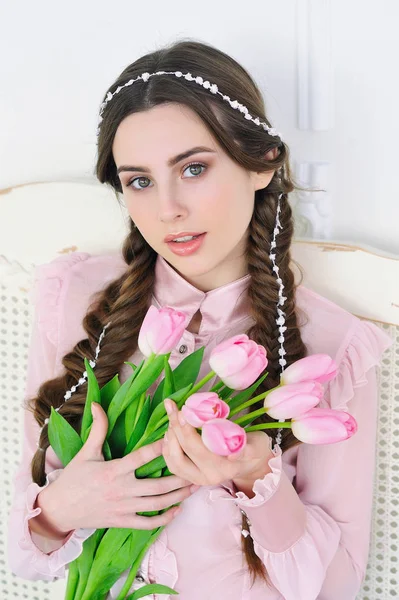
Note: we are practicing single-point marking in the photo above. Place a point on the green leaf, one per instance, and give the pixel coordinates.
(117, 439)
(169, 380)
(188, 370)
(225, 393)
(116, 553)
(160, 411)
(184, 374)
(134, 367)
(119, 399)
(245, 395)
(110, 545)
(107, 451)
(136, 563)
(130, 417)
(84, 561)
(63, 438)
(154, 465)
(156, 474)
(108, 391)
(145, 378)
(72, 582)
(151, 588)
(92, 395)
(138, 431)
(152, 437)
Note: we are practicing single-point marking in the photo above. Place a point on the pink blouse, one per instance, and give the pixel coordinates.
(310, 516)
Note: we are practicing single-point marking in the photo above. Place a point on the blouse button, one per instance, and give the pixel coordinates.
(140, 578)
(183, 349)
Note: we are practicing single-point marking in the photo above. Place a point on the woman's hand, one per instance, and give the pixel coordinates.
(187, 456)
(94, 493)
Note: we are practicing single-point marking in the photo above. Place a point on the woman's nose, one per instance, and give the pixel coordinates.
(171, 208)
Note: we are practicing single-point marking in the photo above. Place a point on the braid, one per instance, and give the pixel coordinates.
(125, 302)
(263, 295)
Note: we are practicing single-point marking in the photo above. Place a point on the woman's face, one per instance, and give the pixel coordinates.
(213, 195)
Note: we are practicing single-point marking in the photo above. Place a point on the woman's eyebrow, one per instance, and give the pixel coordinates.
(171, 162)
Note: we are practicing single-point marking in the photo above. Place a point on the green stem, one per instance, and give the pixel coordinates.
(136, 564)
(73, 580)
(148, 361)
(201, 383)
(217, 386)
(139, 408)
(165, 418)
(251, 401)
(275, 425)
(250, 416)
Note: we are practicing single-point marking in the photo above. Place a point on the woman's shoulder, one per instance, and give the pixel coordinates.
(325, 326)
(63, 288)
(328, 327)
(94, 266)
(355, 344)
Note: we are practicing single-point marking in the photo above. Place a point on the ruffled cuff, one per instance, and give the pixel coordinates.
(365, 350)
(299, 570)
(267, 486)
(276, 514)
(63, 551)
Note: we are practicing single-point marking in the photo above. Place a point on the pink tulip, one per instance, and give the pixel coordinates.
(161, 330)
(238, 361)
(324, 426)
(204, 406)
(293, 400)
(316, 367)
(223, 437)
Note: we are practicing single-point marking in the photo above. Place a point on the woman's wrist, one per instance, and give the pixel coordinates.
(246, 484)
(43, 524)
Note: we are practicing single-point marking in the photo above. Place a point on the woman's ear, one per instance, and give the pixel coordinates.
(272, 154)
(262, 180)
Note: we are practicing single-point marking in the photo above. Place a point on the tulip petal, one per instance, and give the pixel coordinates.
(316, 367)
(161, 330)
(223, 437)
(324, 426)
(293, 407)
(238, 361)
(204, 406)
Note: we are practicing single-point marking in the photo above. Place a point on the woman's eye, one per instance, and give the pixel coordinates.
(190, 166)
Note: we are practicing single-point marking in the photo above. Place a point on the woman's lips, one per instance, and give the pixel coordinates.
(186, 248)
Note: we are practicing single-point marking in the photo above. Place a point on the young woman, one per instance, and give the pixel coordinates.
(184, 137)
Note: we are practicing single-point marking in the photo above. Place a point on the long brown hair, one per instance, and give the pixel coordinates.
(126, 299)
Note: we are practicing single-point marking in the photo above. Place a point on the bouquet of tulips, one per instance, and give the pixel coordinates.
(135, 418)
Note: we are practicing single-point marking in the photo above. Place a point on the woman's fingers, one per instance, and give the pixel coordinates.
(177, 462)
(148, 503)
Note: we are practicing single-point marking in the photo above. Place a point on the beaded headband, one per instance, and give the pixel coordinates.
(243, 109)
(212, 87)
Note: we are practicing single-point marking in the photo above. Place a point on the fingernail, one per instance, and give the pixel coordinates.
(165, 437)
(168, 406)
(194, 488)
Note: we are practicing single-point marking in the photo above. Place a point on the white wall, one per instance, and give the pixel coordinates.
(326, 68)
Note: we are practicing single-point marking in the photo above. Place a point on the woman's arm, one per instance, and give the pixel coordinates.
(314, 538)
(33, 553)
